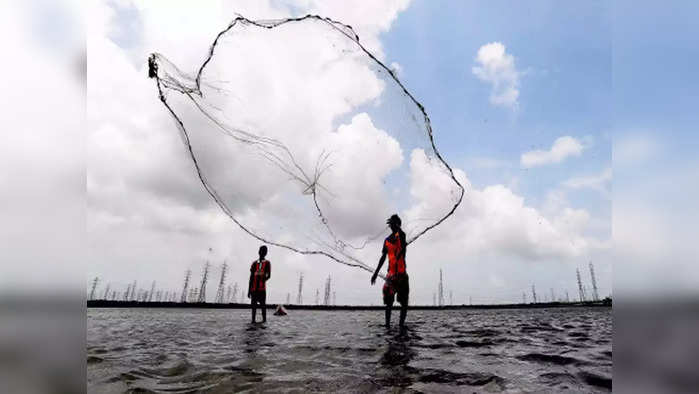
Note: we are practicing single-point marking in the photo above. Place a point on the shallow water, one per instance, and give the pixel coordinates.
(185, 350)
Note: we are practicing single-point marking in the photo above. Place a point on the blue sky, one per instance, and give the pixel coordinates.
(656, 169)
(655, 58)
(566, 56)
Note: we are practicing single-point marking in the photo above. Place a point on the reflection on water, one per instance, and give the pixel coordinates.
(186, 350)
(395, 359)
(398, 351)
(254, 337)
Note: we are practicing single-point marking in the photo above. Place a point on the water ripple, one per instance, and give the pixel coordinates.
(177, 351)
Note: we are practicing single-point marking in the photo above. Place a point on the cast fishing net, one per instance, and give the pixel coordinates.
(306, 140)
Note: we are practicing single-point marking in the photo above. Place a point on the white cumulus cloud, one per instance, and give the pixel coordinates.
(599, 182)
(496, 67)
(561, 149)
(368, 18)
(141, 188)
(495, 220)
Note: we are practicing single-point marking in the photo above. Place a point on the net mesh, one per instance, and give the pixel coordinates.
(306, 140)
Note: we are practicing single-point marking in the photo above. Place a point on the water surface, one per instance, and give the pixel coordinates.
(189, 350)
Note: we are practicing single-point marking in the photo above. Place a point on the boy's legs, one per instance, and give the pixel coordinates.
(263, 305)
(253, 303)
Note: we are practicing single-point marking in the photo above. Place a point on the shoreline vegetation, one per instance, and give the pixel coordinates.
(607, 302)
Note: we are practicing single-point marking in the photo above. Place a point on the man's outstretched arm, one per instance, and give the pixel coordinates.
(378, 268)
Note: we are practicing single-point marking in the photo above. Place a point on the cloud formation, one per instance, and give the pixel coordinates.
(368, 18)
(148, 216)
(495, 220)
(496, 67)
(142, 189)
(599, 182)
(561, 149)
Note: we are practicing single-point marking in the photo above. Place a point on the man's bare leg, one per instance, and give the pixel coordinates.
(403, 313)
(388, 314)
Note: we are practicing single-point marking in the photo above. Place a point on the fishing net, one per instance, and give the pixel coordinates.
(306, 140)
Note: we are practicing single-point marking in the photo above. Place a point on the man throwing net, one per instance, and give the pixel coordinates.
(397, 279)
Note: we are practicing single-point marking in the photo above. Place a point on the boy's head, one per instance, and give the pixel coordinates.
(394, 222)
(263, 251)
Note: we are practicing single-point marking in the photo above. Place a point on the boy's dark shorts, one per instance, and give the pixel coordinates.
(396, 285)
(258, 297)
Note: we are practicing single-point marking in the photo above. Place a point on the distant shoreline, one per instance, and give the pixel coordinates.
(198, 305)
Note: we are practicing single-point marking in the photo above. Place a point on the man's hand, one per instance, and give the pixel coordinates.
(373, 279)
(248, 294)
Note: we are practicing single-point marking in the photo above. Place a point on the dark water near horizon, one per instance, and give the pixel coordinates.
(190, 350)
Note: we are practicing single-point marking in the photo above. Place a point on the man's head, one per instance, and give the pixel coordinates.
(263, 251)
(394, 222)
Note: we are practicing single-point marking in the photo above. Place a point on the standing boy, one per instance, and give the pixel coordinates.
(260, 272)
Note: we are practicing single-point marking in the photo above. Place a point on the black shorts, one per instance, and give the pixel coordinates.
(396, 286)
(258, 297)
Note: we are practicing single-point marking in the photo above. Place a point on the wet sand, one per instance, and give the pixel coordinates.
(510, 350)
